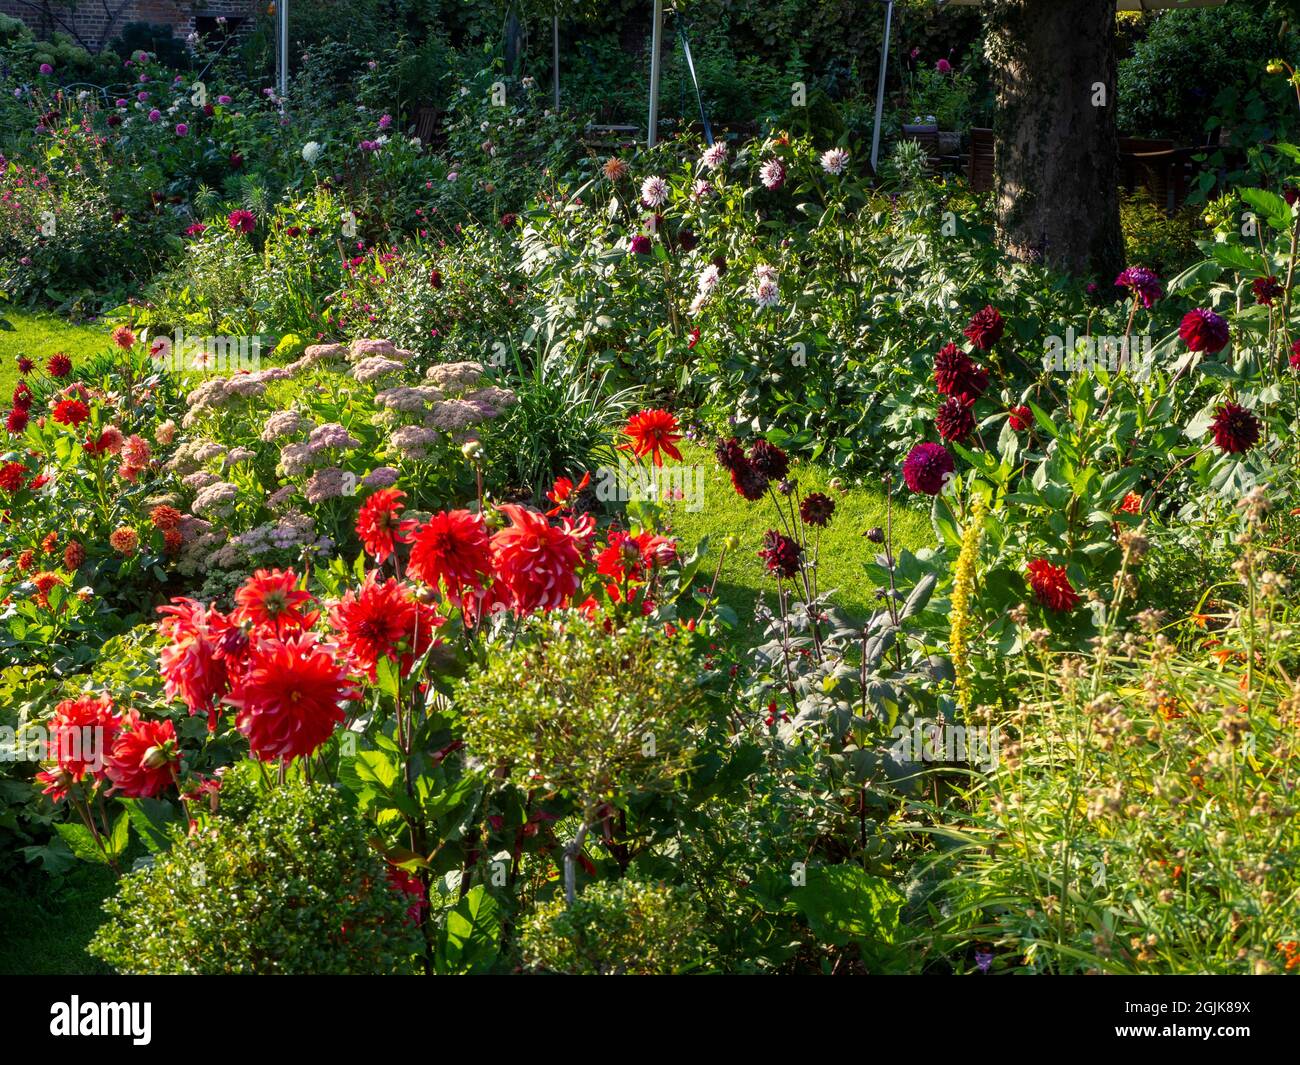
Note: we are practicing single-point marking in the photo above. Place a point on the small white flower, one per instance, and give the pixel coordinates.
(483, 126)
(701, 189)
(527, 81)
(311, 152)
(714, 156)
(834, 160)
(654, 192)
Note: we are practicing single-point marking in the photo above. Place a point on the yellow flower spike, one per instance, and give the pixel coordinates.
(963, 589)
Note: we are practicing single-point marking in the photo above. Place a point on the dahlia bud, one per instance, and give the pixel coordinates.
(835, 485)
(876, 534)
(730, 542)
(1275, 66)
(472, 450)
(155, 758)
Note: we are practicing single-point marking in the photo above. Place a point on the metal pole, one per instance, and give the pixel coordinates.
(880, 86)
(555, 60)
(282, 10)
(655, 46)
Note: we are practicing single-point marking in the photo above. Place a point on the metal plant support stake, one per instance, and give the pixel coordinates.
(656, 42)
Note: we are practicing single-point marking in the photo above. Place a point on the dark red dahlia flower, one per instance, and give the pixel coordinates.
(926, 468)
(769, 460)
(1021, 418)
(780, 554)
(1235, 429)
(1266, 290)
(817, 509)
(955, 420)
(985, 328)
(1203, 330)
(59, 365)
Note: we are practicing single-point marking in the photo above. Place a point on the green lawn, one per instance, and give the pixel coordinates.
(49, 921)
(843, 549)
(38, 336)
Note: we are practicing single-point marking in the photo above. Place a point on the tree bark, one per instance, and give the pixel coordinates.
(1056, 155)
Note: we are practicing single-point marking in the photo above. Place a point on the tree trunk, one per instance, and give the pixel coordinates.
(1056, 157)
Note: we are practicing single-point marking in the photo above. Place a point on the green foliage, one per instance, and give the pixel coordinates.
(576, 709)
(617, 928)
(295, 888)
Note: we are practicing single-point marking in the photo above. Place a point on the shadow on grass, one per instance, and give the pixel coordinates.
(48, 922)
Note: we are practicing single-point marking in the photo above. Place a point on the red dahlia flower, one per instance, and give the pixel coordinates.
(59, 365)
(273, 604)
(22, 396)
(451, 552)
(1132, 503)
(11, 476)
(192, 662)
(70, 412)
(1295, 356)
(748, 482)
(631, 557)
(652, 432)
(1235, 429)
(1051, 586)
(985, 328)
(81, 734)
(25, 365)
(17, 421)
(926, 468)
(535, 565)
(380, 525)
(123, 337)
(564, 493)
(241, 221)
(289, 696)
(1203, 330)
(383, 621)
(144, 757)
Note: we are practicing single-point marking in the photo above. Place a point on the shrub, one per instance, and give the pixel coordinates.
(619, 928)
(295, 888)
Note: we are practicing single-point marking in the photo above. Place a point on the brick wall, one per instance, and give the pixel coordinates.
(94, 26)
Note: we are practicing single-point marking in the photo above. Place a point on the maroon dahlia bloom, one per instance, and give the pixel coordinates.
(1235, 429)
(780, 553)
(1266, 290)
(1295, 356)
(769, 460)
(956, 375)
(926, 467)
(1143, 283)
(816, 509)
(1021, 418)
(640, 244)
(955, 420)
(1203, 330)
(748, 482)
(985, 328)
(730, 455)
